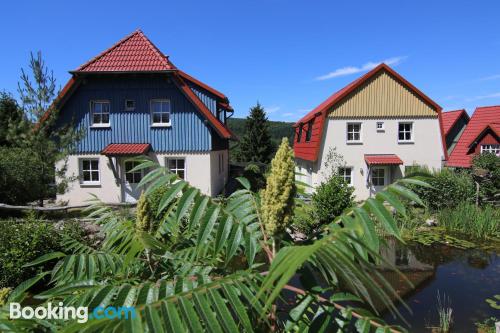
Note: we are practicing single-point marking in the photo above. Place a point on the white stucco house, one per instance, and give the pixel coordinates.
(129, 101)
(380, 124)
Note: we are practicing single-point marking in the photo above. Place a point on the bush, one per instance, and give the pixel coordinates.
(478, 222)
(23, 241)
(255, 174)
(22, 178)
(486, 171)
(331, 198)
(449, 187)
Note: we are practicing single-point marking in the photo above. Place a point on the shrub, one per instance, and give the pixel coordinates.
(22, 178)
(255, 175)
(23, 241)
(486, 171)
(478, 222)
(449, 187)
(331, 198)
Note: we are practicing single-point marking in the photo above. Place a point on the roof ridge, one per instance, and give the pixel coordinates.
(487, 107)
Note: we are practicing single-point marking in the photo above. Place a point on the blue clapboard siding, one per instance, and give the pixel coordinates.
(206, 97)
(188, 133)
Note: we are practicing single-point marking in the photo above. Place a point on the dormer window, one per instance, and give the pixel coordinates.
(100, 113)
(309, 130)
(492, 149)
(129, 105)
(160, 112)
(299, 135)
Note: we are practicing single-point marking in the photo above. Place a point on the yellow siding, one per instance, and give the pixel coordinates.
(382, 96)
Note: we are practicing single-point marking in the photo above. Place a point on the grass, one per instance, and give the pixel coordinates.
(478, 222)
(445, 313)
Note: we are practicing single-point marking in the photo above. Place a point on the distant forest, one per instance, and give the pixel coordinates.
(277, 129)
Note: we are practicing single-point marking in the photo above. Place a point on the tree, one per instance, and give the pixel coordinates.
(49, 141)
(10, 115)
(278, 196)
(215, 276)
(330, 199)
(256, 145)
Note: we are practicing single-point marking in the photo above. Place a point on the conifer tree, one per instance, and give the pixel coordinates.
(10, 117)
(278, 196)
(256, 145)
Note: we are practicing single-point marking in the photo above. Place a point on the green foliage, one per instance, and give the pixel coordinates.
(466, 218)
(4, 294)
(255, 175)
(218, 274)
(21, 176)
(10, 114)
(494, 302)
(303, 219)
(487, 325)
(278, 196)
(331, 198)
(486, 171)
(144, 214)
(255, 145)
(448, 187)
(24, 241)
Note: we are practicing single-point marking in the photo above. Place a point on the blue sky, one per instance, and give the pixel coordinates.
(289, 55)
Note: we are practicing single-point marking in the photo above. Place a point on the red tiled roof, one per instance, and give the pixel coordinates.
(126, 149)
(451, 117)
(482, 117)
(310, 150)
(134, 53)
(385, 159)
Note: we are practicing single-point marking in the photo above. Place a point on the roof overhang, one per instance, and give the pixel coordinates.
(383, 159)
(126, 149)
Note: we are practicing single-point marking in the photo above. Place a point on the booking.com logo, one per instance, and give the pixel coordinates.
(80, 314)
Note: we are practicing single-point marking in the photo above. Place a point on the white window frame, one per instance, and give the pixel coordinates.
(342, 174)
(412, 132)
(385, 175)
(160, 124)
(382, 126)
(491, 148)
(360, 132)
(176, 169)
(91, 106)
(129, 108)
(91, 182)
(125, 172)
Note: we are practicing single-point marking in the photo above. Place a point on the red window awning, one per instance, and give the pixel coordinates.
(115, 149)
(387, 159)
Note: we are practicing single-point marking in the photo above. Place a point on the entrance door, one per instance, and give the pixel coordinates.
(130, 191)
(379, 177)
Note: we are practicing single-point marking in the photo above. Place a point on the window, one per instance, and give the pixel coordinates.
(221, 163)
(299, 135)
(100, 113)
(494, 149)
(378, 176)
(309, 130)
(405, 132)
(346, 173)
(160, 112)
(89, 171)
(380, 126)
(177, 166)
(129, 105)
(132, 177)
(354, 132)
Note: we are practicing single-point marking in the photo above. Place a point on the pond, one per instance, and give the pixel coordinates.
(466, 277)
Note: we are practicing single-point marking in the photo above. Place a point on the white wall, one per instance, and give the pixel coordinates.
(426, 149)
(201, 171)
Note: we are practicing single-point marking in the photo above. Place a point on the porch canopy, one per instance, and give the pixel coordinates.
(383, 159)
(126, 149)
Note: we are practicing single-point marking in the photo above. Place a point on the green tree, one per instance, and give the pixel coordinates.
(278, 196)
(51, 142)
(256, 145)
(486, 173)
(11, 116)
(330, 199)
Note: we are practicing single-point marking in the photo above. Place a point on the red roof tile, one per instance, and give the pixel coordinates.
(482, 117)
(134, 53)
(310, 150)
(451, 117)
(386, 159)
(126, 149)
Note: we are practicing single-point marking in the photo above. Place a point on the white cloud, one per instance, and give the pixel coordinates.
(288, 114)
(489, 78)
(366, 67)
(272, 109)
(476, 98)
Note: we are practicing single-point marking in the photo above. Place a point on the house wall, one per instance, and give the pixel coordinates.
(426, 149)
(201, 171)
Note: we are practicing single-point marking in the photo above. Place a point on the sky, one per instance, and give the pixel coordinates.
(287, 55)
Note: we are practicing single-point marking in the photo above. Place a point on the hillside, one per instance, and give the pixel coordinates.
(277, 129)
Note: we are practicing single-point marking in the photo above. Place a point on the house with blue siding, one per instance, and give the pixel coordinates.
(131, 100)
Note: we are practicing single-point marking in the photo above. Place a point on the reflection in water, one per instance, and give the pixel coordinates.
(468, 277)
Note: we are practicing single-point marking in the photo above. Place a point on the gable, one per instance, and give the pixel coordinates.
(382, 96)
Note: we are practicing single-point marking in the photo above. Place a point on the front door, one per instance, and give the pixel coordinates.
(130, 180)
(379, 177)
